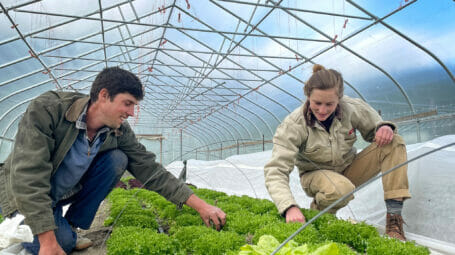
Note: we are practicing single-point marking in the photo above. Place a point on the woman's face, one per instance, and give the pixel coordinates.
(323, 102)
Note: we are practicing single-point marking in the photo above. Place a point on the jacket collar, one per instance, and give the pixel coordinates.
(309, 117)
(75, 110)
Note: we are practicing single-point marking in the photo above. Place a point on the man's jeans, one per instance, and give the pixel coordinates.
(101, 177)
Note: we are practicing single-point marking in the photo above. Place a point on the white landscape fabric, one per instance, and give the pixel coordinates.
(429, 215)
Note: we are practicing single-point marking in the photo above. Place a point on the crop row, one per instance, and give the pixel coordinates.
(146, 223)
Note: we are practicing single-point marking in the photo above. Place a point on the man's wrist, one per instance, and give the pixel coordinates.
(47, 237)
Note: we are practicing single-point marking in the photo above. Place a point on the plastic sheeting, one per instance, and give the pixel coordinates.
(429, 215)
(12, 233)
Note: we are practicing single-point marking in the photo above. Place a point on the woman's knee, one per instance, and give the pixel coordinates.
(335, 191)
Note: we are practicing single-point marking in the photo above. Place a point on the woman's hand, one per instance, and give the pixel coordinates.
(384, 135)
(294, 214)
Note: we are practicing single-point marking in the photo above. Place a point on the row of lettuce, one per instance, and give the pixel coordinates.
(146, 223)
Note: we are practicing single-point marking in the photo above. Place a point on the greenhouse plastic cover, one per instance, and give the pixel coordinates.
(429, 215)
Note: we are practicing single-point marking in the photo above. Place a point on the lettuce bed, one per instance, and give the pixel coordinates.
(146, 223)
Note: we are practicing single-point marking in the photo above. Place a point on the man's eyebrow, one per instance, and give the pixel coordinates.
(130, 101)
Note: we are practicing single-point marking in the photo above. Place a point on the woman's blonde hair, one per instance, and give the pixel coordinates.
(324, 79)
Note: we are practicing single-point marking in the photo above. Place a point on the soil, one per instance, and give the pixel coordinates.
(97, 233)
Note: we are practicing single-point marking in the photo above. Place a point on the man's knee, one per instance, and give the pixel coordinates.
(120, 161)
(112, 163)
(66, 239)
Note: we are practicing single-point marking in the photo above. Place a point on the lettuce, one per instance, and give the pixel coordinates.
(267, 244)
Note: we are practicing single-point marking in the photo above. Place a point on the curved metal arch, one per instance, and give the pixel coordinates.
(79, 39)
(248, 50)
(202, 137)
(12, 122)
(209, 126)
(248, 120)
(64, 75)
(355, 90)
(197, 138)
(192, 135)
(260, 118)
(201, 143)
(8, 111)
(355, 54)
(207, 105)
(240, 124)
(61, 23)
(285, 46)
(212, 121)
(222, 126)
(208, 133)
(252, 102)
(21, 114)
(405, 37)
(251, 88)
(9, 126)
(201, 140)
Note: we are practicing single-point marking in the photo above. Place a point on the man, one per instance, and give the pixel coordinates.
(72, 149)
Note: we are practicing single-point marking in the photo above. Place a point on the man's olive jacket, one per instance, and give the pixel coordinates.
(46, 133)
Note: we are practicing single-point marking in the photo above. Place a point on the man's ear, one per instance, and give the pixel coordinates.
(103, 95)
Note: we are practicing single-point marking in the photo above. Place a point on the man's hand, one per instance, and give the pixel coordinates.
(293, 214)
(384, 135)
(208, 213)
(49, 245)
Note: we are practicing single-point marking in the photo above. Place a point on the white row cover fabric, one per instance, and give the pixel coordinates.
(12, 233)
(429, 215)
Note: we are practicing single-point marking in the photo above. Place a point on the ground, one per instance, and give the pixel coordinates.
(97, 233)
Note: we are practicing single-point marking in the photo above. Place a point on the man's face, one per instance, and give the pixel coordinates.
(119, 109)
(323, 103)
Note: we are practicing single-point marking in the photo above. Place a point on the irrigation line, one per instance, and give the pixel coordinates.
(356, 189)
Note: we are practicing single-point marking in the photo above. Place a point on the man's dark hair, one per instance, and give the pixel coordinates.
(116, 80)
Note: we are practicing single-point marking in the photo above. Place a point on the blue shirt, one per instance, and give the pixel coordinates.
(65, 181)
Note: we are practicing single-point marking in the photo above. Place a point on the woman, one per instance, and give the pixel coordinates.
(318, 138)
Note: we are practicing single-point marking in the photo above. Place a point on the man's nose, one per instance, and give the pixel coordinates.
(130, 111)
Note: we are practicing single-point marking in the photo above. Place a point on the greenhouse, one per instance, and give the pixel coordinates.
(218, 80)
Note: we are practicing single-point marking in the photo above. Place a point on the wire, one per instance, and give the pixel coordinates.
(246, 177)
(356, 189)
